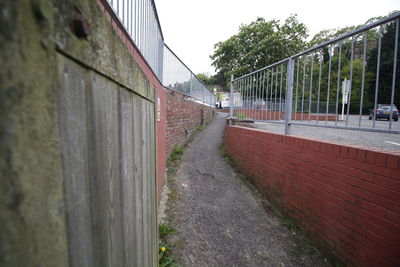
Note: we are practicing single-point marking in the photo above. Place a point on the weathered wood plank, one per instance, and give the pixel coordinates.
(105, 169)
(152, 169)
(108, 147)
(74, 147)
(145, 166)
(127, 175)
(138, 178)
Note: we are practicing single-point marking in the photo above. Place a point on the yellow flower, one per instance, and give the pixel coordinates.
(163, 249)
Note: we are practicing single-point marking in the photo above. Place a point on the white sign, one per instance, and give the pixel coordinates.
(345, 91)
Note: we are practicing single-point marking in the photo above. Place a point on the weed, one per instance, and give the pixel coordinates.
(176, 154)
(240, 116)
(291, 226)
(200, 127)
(165, 257)
(165, 229)
(172, 194)
(222, 150)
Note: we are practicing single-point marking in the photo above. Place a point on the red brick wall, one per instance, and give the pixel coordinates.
(183, 117)
(347, 198)
(161, 127)
(280, 115)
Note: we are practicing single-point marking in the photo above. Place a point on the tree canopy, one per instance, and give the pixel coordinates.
(258, 44)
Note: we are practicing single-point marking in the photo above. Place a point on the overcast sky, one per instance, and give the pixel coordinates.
(192, 27)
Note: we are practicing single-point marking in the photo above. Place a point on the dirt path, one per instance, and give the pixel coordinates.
(221, 221)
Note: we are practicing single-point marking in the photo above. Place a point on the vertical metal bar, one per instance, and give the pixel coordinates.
(311, 84)
(132, 24)
(140, 24)
(363, 78)
(266, 98)
(128, 18)
(321, 59)
(304, 86)
(136, 22)
(260, 88)
(378, 62)
(297, 87)
(255, 79)
(253, 95)
(257, 89)
(276, 90)
(280, 93)
(247, 97)
(394, 72)
(272, 90)
(338, 83)
(146, 29)
(241, 95)
(289, 98)
(253, 89)
(351, 80)
(191, 84)
(260, 78)
(329, 84)
(123, 13)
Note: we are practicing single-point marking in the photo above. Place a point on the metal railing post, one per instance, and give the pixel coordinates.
(231, 99)
(289, 98)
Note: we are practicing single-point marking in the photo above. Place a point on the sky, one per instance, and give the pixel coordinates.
(192, 27)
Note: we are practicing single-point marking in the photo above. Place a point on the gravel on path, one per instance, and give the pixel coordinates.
(222, 222)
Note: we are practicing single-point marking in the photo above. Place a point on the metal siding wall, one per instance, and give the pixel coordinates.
(108, 148)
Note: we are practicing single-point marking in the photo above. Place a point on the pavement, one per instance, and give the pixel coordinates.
(382, 141)
(221, 219)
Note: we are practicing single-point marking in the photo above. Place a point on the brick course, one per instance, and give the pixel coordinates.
(346, 197)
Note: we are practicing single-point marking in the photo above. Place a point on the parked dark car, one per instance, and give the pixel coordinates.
(383, 112)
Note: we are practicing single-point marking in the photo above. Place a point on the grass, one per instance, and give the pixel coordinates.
(165, 256)
(299, 237)
(176, 154)
(200, 127)
(225, 157)
(164, 230)
(240, 116)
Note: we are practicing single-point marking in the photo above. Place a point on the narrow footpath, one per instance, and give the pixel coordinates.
(222, 222)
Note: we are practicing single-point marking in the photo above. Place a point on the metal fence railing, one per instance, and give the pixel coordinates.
(177, 76)
(349, 82)
(140, 20)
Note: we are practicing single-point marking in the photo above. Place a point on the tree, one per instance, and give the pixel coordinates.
(257, 45)
(206, 79)
(386, 68)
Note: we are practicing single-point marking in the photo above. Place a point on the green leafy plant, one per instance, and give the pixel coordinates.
(240, 116)
(176, 154)
(164, 252)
